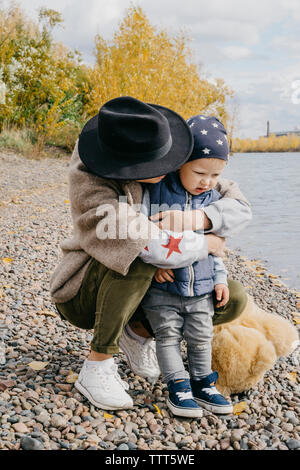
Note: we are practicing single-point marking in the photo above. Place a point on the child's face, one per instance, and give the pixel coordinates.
(201, 175)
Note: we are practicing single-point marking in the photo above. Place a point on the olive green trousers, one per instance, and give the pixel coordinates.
(107, 300)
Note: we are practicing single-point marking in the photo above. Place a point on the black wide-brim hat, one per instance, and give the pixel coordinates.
(129, 140)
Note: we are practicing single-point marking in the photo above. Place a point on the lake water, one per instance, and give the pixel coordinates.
(271, 182)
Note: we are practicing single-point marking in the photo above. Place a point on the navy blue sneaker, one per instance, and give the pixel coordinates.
(181, 401)
(206, 395)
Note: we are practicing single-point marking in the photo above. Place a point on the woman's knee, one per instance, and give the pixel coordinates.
(141, 271)
(68, 312)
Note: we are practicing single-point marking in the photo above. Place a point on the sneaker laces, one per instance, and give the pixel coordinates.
(185, 395)
(211, 391)
(115, 372)
(148, 351)
(103, 376)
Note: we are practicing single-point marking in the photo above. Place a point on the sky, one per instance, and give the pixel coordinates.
(254, 46)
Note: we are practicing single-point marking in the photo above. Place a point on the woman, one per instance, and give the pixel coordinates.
(101, 280)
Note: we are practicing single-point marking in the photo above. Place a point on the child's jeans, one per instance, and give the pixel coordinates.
(173, 318)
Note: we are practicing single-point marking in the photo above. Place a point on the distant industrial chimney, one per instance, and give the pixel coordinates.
(268, 128)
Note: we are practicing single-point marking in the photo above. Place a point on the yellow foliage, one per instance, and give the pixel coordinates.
(46, 89)
(153, 67)
(286, 143)
(43, 80)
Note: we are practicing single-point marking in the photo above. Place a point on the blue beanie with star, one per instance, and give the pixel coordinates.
(210, 138)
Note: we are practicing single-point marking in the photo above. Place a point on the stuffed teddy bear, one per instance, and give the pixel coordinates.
(244, 349)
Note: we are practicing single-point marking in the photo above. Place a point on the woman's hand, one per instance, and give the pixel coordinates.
(164, 275)
(179, 221)
(222, 294)
(215, 245)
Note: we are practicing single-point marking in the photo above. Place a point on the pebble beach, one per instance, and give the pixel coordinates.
(40, 409)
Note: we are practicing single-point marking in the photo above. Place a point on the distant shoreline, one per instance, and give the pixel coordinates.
(269, 151)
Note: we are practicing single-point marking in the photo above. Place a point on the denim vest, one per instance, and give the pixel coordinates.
(196, 279)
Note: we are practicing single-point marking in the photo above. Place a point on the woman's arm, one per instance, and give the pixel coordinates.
(225, 217)
(105, 226)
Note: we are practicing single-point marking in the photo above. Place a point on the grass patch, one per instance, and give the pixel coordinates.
(17, 140)
(24, 142)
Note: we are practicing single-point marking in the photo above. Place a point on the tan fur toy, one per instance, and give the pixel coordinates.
(244, 349)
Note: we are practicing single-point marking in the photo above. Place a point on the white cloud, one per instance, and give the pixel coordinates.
(289, 45)
(236, 52)
(215, 30)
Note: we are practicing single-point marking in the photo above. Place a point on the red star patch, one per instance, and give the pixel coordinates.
(173, 245)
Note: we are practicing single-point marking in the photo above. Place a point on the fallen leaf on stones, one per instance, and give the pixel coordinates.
(248, 287)
(296, 318)
(272, 276)
(7, 260)
(66, 201)
(239, 407)
(37, 365)
(298, 305)
(260, 268)
(157, 409)
(71, 377)
(47, 313)
(292, 376)
(107, 416)
(15, 200)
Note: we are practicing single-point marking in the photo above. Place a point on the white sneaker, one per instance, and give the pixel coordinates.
(141, 358)
(103, 387)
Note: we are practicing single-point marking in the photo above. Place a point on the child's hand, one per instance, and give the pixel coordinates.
(164, 275)
(222, 294)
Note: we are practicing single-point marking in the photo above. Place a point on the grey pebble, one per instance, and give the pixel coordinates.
(29, 443)
(180, 429)
(123, 447)
(104, 445)
(13, 419)
(244, 444)
(293, 444)
(132, 446)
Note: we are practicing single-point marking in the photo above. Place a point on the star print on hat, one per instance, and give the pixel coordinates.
(210, 138)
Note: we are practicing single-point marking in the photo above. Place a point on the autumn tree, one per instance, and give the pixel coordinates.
(46, 88)
(153, 66)
(45, 84)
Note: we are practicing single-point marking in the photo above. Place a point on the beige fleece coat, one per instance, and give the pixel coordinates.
(86, 193)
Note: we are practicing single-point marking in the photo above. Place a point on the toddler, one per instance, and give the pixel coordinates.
(180, 302)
